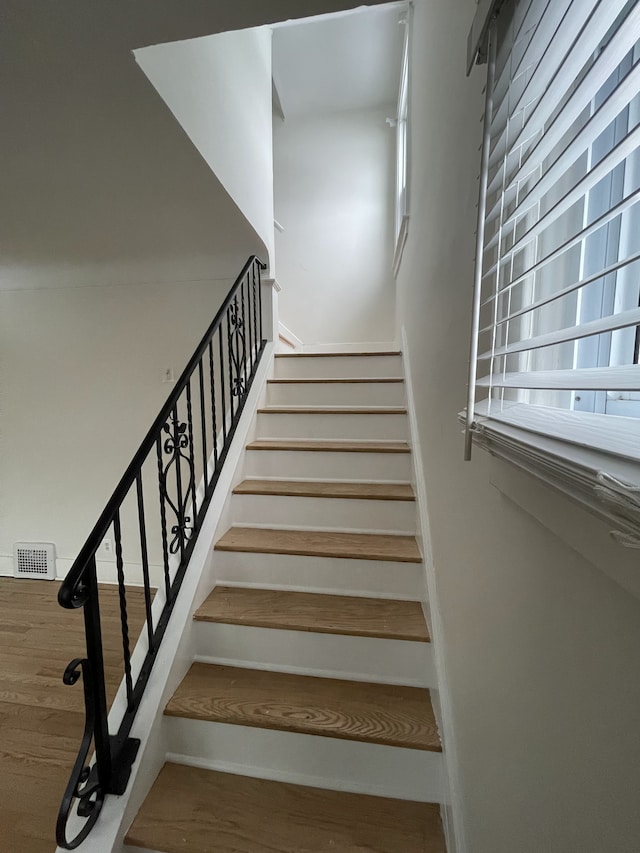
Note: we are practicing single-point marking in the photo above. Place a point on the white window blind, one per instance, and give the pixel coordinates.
(556, 330)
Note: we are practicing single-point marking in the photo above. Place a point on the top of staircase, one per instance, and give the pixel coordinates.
(334, 354)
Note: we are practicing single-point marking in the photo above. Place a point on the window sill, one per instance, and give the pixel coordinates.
(606, 485)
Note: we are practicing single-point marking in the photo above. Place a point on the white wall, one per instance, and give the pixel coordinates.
(219, 89)
(334, 196)
(542, 648)
(81, 377)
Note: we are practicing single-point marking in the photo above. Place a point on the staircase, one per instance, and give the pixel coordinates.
(305, 722)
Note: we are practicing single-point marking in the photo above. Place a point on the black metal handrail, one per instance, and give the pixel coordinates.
(222, 369)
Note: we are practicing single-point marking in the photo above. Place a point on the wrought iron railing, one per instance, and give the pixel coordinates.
(154, 517)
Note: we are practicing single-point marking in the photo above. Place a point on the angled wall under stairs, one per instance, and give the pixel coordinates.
(305, 722)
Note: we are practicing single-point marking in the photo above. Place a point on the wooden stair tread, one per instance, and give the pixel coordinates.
(348, 710)
(332, 410)
(334, 354)
(199, 811)
(350, 380)
(324, 614)
(330, 446)
(312, 489)
(321, 543)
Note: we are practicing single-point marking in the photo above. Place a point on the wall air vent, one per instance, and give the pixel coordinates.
(34, 560)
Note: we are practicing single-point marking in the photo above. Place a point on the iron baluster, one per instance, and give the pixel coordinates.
(174, 445)
(192, 462)
(173, 441)
(261, 340)
(223, 405)
(145, 558)
(230, 358)
(124, 618)
(203, 427)
(214, 419)
(255, 308)
(242, 337)
(163, 520)
(251, 352)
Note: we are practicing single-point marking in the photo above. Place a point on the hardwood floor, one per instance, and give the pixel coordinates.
(349, 710)
(259, 816)
(315, 489)
(320, 543)
(325, 614)
(41, 720)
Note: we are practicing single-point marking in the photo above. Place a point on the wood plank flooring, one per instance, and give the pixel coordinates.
(315, 543)
(325, 614)
(349, 710)
(41, 719)
(329, 445)
(315, 489)
(260, 816)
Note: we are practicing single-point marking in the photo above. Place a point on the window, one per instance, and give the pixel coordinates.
(555, 370)
(402, 149)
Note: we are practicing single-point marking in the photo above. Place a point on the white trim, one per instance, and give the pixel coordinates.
(355, 347)
(336, 674)
(400, 244)
(605, 484)
(275, 284)
(288, 337)
(452, 811)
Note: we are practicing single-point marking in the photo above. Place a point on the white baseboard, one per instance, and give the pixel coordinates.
(452, 817)
(357, 346)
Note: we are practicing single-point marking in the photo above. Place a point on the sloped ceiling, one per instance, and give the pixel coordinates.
(339, 63)
(96, 176)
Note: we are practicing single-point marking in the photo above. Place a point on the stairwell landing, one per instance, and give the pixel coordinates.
(305, 722)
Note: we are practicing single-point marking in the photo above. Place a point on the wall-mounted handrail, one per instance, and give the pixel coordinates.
(187, 444)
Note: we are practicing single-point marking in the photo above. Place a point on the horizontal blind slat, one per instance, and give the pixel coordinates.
(610, 109)
(554, 37)
(622, 42)
(573, 333)
(618, 155)
(573, 53)
(565, 291)
(606, 217)
(625, 378)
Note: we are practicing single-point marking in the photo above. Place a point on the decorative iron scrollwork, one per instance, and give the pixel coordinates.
(84, 784)
(237, 348)
(175, 445)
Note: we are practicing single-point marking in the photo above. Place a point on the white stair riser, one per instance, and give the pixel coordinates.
(363, 427)
(311, 653)
(335, 394)
(318, 574)
(329, 513)
(322, 762)
(335, 367)
(327, 465)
